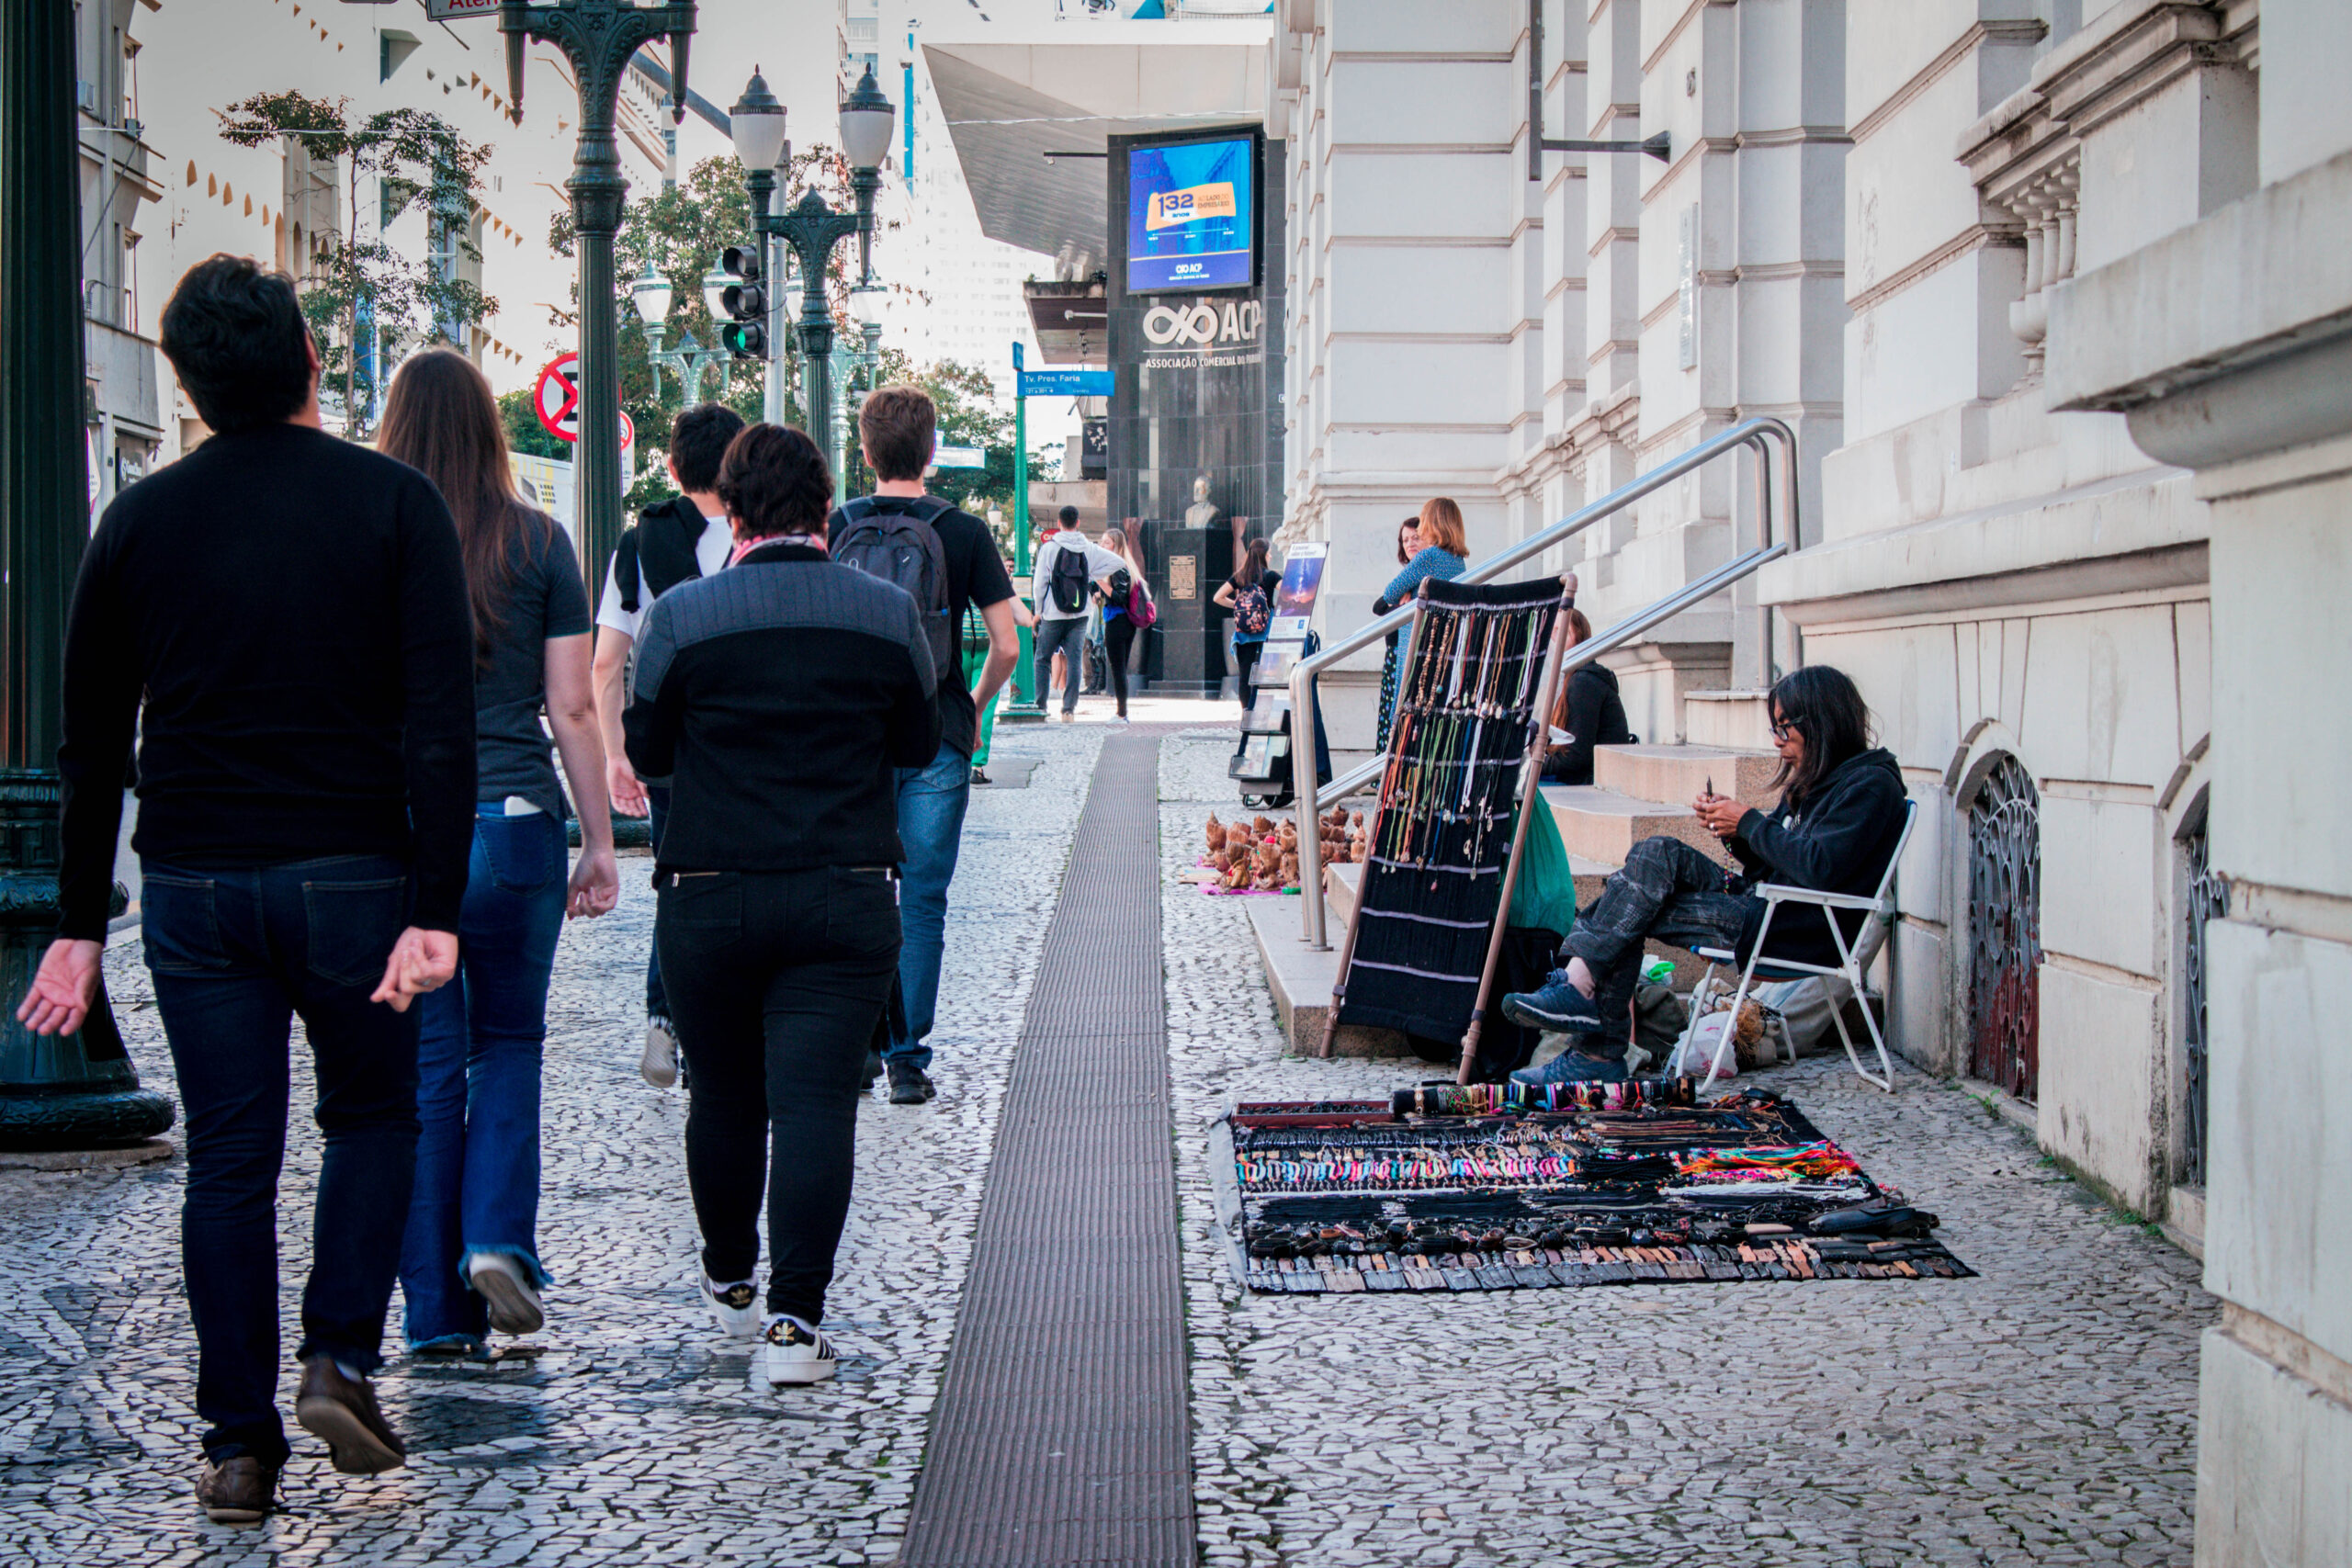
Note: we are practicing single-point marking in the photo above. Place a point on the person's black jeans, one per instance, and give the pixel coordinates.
(1245, 662)
(236, 954)
(657, 812)
(1666, 889)
(1054, 636)
(1118, 641)
(775, 981)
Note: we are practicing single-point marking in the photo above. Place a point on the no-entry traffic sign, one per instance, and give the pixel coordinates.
(556, 400)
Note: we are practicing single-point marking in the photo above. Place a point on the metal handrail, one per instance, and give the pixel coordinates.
(1759, 434)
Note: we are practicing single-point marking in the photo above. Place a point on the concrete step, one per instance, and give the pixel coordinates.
(1342, 882)
(1739, 721)
(1302, 981)
(1677, 774)
(1601, 826)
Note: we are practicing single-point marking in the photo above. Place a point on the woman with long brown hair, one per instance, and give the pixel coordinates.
(1251, 593)
(1444, 554)
(469, 1262)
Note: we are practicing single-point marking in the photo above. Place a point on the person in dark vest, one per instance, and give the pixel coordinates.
(683, 538)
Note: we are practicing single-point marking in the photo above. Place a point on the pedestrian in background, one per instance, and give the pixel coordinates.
(1126, 611)
(679, 541)
(1408, 545)
(1063, 567)
(1444, 555)
(780, 699)
(1251, 593)
(470, 1260)
(895, 430)
(978, 649)
(291, 609)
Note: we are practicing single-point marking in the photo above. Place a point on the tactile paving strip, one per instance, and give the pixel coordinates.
(1062, 1435)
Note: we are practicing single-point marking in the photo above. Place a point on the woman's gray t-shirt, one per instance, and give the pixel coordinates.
(545, 599)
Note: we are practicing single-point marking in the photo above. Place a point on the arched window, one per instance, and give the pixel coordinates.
(2005, 930)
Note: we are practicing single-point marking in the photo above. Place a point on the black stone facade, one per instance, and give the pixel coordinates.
(1205, 398)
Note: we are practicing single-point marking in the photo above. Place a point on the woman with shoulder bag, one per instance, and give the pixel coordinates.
(779, 697)
(470, 1261)
(1127, 610)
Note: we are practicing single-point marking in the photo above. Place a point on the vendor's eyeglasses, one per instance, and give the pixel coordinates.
(1782, 731)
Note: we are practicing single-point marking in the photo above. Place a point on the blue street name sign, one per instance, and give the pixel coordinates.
(1066, 383)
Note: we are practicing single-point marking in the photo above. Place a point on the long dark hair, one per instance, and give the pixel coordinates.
(1252, 569)
(1823, 705)
(440, 419)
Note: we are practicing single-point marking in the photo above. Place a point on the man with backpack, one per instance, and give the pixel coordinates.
(947, 563)
(682, 538)
(1066, 566)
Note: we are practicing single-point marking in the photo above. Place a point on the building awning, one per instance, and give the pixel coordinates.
(1009, 105)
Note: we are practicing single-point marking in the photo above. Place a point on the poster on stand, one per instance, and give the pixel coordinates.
(1302, 581)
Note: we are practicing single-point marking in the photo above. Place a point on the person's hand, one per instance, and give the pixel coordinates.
(1721, 813)
(64, 988)
(595, 886)
(421, 960)
(621, 784)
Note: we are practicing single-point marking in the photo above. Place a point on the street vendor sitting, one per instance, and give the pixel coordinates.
(1839, 820)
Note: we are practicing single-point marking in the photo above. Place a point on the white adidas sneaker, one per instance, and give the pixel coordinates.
(792, 1352)
(735, 1306)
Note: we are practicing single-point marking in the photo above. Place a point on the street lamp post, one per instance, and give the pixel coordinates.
(813, 228)
(599, 37)
(58, 1091)
(649, 296)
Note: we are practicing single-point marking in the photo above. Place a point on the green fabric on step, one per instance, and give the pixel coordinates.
(1545, 894)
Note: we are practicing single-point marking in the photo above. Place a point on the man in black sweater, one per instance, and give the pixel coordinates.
(291, 609)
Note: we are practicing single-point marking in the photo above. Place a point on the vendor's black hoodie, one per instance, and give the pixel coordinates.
(1838, 839)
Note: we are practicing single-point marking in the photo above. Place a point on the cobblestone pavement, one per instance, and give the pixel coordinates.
(631, 1436)
(2043, 1413)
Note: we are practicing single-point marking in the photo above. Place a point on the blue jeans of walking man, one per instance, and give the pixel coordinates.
(236, 955)
(931, 828)
(477, 1081)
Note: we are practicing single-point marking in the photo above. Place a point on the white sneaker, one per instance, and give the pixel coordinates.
(659, 1065)
(792, 1352)
(514, 1304)
(735, 1306)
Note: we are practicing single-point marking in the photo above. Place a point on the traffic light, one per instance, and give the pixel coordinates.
(745, 333)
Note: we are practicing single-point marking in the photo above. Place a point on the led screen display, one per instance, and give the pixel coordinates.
(1192, 214)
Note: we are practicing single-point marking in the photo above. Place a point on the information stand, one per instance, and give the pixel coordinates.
(1261, 760)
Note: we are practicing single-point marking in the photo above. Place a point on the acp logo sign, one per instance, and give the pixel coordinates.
(1170, 208)
(1204, 324)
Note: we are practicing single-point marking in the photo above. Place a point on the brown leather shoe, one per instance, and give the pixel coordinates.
(342, 1412)
(240, 1491)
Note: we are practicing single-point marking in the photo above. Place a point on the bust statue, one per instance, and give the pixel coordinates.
(1202, 512)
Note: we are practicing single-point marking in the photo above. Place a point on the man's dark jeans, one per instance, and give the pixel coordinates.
(1667, 890)
(236, 954)
(777, 980)
(657, 811)
(1060, 635)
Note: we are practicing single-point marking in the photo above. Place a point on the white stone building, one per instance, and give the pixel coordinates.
(2052, 293)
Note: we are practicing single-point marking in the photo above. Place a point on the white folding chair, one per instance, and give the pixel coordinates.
(1848, 968)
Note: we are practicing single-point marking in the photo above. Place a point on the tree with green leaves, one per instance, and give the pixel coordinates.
(366, 283)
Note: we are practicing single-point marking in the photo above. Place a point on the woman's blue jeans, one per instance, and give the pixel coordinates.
(477, 1080)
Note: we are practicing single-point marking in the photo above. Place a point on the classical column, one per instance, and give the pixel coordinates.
(60, 1091)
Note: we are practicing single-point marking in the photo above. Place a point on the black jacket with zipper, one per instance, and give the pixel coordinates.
(778, 697)
(1836, 839)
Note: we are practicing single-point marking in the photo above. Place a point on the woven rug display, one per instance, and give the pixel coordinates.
(1503, 1187)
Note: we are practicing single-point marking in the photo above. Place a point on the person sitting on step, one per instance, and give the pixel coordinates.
(1838, 819)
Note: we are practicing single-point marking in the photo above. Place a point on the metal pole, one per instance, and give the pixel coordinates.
(74, 1090)
(1024, 673)
(598, 37)
(779, 355)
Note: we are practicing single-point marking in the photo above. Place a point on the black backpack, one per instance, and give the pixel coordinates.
(1069, 580)
(656, 552)
(893, 539)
